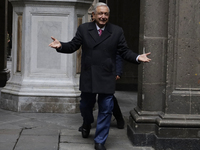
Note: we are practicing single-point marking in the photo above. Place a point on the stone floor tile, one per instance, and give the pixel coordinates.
(76, 146)
(41, 131)
(7, 146)
(27, 142)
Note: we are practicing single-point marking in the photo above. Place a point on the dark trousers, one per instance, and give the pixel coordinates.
(105, 107)
(116, 109)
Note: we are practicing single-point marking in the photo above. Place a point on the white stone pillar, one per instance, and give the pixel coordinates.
(43, 80)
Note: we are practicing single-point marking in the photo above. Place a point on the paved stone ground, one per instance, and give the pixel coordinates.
(54, 131)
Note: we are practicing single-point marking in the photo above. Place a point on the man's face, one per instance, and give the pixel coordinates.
(101, 16)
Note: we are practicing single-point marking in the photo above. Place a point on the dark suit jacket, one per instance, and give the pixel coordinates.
(98, 60)
(119, 65)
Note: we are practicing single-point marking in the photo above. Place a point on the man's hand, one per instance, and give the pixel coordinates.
(55, 44)
(117, 77)
(144, 58)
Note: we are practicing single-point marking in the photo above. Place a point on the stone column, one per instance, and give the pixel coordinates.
(167, 114)
(4, 72)
(43, 80)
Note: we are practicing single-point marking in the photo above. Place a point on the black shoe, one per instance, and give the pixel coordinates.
(120, 123)
(85, 131)
(99, 146)
(81, 127)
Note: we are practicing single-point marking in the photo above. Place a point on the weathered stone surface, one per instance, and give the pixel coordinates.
(37, 142)
(40, 104)
(41, 131)
(47, 82)
(7, 145)
(75, 146)
(38, 129)
(167, 116)
(163, 142)
(155, 18)
(8, 137)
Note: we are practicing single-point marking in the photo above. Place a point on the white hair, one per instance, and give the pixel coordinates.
(101, 4)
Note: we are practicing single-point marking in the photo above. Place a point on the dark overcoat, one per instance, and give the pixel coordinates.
(98, 61)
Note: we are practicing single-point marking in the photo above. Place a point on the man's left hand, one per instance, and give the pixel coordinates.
(144, 58)
(117, 77)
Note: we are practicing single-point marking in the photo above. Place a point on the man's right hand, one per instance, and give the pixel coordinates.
(55, 44)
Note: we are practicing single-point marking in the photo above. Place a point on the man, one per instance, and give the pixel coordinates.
(98, 76)
(116, 109)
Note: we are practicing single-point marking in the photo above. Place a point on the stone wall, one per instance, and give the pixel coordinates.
(167, 115)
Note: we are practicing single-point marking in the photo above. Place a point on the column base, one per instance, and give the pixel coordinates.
(40, 104)
(163, 134)
(161, 143)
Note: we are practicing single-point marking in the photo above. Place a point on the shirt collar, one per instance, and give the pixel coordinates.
(99, 28)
